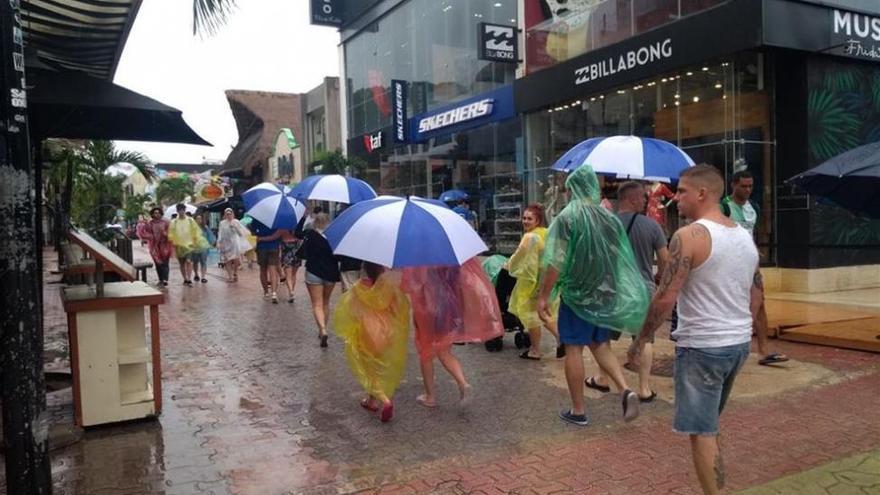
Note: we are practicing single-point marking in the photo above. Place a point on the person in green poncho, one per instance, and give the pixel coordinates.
(589, 261)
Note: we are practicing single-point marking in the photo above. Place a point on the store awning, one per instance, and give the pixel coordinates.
(82, 35)
(77, 106)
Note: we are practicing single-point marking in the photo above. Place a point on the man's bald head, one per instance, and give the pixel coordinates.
(705, 176)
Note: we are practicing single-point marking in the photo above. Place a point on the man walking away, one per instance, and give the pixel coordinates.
(601, 290)
(268, 243)
(648, 241)
(713, 273)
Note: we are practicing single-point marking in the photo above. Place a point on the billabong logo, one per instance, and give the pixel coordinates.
(498, 42)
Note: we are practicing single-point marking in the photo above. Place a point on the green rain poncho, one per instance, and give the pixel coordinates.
(598, 277)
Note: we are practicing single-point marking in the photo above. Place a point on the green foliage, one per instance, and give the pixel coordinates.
(831, 127)
(334, 162)
(210, 15)
(172, 190)
(135, 206)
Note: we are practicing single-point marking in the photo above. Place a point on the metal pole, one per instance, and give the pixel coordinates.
(25, 423)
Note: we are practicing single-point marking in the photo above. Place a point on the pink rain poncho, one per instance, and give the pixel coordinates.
(373, 321)
(451, 304)
(155, 232)
(598, 276)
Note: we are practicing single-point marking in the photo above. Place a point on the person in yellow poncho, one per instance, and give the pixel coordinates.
(186, 236)
(525, 266)
(373, 320)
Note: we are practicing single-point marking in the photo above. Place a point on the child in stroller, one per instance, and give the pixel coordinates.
(504, 283)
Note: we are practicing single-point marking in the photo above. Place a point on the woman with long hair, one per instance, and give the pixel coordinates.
(232, 243)
(525, 266)
(322, 270)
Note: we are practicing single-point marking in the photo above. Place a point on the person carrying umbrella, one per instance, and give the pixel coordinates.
(372, 319)
(590, 261)
(155, 232)
(322, 270)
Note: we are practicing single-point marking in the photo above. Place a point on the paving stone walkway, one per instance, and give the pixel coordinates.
(254, 406)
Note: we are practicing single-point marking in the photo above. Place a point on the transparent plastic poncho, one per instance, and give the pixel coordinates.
(525, 266)
(373, 321)
(451, 304)
(598, 276)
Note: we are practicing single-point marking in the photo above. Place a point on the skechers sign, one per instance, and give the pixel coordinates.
(398, 118)
(456, 115)
(481, 109)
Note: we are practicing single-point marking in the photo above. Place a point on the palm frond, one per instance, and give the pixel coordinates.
(210, 15)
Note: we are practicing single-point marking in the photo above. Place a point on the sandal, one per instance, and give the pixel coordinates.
(560, 351)
(525, 355)
(369, 404)
(773, 358)
(591, 383)
(423, 400)
(650, 398)
(387, 413)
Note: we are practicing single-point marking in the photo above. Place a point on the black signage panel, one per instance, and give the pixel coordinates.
(497, 43)
(817, 28)
(723, 30)
(398, 114)
(327, 12)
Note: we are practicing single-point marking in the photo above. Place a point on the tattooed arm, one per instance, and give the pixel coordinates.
(672, 279)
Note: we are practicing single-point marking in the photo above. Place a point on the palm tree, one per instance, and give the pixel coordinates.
(210, 15)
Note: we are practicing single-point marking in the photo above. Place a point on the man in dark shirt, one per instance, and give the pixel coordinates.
(268, 243)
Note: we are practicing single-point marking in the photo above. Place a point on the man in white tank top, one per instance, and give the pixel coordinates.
(713, 274)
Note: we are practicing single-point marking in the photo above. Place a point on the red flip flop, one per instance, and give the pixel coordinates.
(369, 405)
(387, 413)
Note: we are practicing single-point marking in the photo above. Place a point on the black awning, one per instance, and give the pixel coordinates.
(81, 35)
(75, 105)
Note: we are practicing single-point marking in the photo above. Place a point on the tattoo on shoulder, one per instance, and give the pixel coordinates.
(679, 264)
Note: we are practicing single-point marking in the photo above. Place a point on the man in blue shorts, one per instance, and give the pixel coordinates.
(588, 258)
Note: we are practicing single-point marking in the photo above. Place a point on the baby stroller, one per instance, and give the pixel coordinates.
(504, 284)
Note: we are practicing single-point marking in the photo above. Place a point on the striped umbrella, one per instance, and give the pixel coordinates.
(338, 188)
(628, 157)
(273, 206)
(397, 232)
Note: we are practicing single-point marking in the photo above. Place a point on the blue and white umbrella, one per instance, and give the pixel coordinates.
(273, 206)
(453, 195)
(397, 232)
(628, 157)
(338, 188)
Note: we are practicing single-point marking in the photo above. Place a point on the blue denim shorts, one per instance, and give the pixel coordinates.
(311, 279)
(703, 380)
(575, 331)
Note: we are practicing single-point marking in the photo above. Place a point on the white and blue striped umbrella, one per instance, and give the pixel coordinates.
(397, 232)
(338, 188)
(273, 206)
(628, 157)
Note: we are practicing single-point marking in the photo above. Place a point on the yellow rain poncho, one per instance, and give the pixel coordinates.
(186, 236)
(598, 276)
(373, 321)
(525, 266)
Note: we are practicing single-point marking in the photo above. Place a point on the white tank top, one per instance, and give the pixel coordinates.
(713, 305)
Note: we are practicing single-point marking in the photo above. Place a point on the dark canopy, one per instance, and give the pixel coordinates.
(70, 104)
(851, 180)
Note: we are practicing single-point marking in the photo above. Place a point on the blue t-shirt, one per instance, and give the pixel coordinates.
(463, 212)
(261, 230)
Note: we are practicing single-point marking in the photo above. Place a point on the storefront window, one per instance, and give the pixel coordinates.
(557, 31)
(431, 44)
(719, 113)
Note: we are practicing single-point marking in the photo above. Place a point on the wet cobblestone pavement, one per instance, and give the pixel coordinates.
(252, 405)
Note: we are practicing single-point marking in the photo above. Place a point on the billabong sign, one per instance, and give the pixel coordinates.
(327, 12)
(373, 141)
(626, 61)
(398, 115)
(457, 115)
(497, 43)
